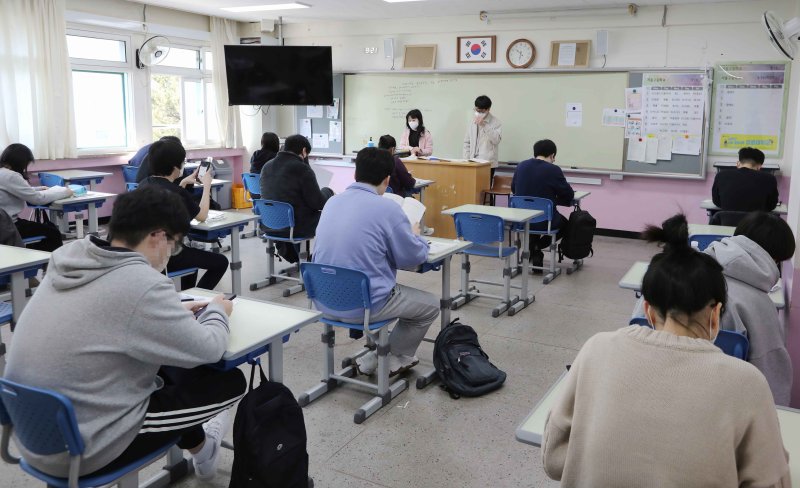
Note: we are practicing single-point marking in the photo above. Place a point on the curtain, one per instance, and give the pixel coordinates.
(35, 78)
(223, 31)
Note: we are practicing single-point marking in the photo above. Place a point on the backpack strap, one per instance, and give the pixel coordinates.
(256, 363)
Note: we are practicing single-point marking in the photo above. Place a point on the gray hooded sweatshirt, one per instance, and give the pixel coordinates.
(97, 330)
(750, 274)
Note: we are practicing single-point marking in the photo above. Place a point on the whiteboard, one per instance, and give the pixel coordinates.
(531, 106)
(750, 101)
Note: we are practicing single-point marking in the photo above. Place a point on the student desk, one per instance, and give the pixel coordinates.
(509, 216)
(258, 327)
(633, 281)
(766, 167)
(231, 224)
(419, 187)
(15, 261)
(441, 256)
(717, 230)
(91, 200)
(457, 184)
(579, 195)
(79, 176)
(215, 186)
(708, 204)
(532, 428)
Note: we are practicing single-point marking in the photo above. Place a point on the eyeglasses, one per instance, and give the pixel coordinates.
(177, 244)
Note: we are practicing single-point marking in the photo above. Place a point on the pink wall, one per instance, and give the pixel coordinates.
(113, 164)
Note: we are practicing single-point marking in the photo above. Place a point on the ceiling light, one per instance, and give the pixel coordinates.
(262, 8)
(398, 1)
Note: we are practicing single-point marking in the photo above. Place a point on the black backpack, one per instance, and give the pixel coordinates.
(269, 439)
(576, 242)
(463, 368)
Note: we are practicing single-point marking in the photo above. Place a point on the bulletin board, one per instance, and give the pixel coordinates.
(320, 118)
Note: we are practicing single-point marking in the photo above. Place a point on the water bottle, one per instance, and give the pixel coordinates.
(371, 143)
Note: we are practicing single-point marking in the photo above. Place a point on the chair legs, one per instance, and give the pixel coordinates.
(384, 390)
(469, 292)
(284, 274)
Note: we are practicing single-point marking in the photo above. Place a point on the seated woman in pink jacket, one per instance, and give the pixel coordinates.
(416, 138)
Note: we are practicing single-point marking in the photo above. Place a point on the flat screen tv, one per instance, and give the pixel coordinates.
(279, 75)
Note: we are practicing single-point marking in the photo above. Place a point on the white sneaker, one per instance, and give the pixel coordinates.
(368, 363)
(215, 429)
(401, 363)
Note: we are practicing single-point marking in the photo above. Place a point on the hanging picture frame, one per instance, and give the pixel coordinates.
(476, 49)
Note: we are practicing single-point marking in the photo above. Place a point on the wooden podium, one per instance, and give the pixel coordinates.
(456, 184)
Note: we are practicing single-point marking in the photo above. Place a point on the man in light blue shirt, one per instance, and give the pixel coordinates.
(359, 229)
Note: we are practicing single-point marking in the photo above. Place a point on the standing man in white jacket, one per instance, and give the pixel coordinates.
(483, 133)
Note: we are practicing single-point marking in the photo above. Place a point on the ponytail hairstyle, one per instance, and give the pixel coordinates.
(17, 157)
(680, 281)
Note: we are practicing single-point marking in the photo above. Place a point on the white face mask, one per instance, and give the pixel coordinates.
(480, 114)
(413, 124)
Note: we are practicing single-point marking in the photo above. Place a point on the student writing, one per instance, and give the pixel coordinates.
(746, 188)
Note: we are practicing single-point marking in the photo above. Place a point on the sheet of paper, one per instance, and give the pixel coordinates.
(566, 53)
(673, 103)
(438, 247)
(665, 147)
(613, 117)
(413, 209)
(197, 298)
(335, 131)
(574, 117)
(633, 126)
(686, 144)
(320, 141)
(651, 149)
(333, 110)
(305, 128)
(324, 176)
(633, 99)
(315, 111)
(637, 149)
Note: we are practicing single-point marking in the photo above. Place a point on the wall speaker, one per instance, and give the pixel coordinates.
(601, 46)
(267, 25)
(388, 48)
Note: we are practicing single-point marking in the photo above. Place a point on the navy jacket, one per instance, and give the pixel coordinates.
(745, 190)
(537, 178)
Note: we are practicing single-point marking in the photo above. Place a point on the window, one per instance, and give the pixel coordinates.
(166, 99)
(101, 90)
(182, 58)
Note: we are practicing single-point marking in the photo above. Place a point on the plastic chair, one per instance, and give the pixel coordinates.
(176, 275)
(640, 321)
(50, 179)
(129, 173)
(6, 315)
(730, 218)
(546, 206)
(44, 422)
(277, 216)
(501, 186)
(486, 232)
(702, 241)
(131, 186)
(252, 184)
(733, 343)
(334, 289)
(32, 240)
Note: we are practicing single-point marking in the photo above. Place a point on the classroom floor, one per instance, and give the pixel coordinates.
(424, 438)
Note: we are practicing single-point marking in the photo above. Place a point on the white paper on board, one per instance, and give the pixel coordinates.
(687, 144)
(665, 147)
(305, 128)
(320, 141)
(613, 117)
(314, 111)
(637, 149)
(633, 99)
(333, 110)
(574, 116)
(335, 131)
(633, 126)
(651, 150)
(566, 53)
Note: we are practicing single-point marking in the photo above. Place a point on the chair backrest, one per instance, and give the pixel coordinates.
(702, 241)
(730, 218)
(49, 179)
(389, 189)
(43, 420)
(479, 228)
(502, 183)
(640, 321)
(535, 203)
(274, 215)
(131, 186)
(252, 183)
(733, 343)
(129, 173)
(336, 288)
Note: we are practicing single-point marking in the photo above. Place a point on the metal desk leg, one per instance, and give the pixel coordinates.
(525, 298)
(275, 360)
(215, 193)
(61, 219)
(92, 218)
(444, 313)
(18, 300)
(236, 265)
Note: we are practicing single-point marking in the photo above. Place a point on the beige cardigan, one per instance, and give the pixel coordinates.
(643, 408)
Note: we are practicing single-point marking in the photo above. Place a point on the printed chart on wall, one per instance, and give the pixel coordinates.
(665, 116)
(749, 107)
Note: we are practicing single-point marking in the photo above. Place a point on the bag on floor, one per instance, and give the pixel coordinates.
(576, 242)
(463, 367)
(269, 439)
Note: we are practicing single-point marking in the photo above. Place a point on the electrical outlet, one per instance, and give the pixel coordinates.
(370, 50)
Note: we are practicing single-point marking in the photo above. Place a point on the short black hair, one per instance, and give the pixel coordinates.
(680, 280)
(17, 157)
(415, 114)
(751, 155)
(164, 156)
(175, 139)
(270, 142)
(144, 210)
(296, 143)
(545, 148)
(483, 102)
(387, 142)
(770, 232)
(373, 165)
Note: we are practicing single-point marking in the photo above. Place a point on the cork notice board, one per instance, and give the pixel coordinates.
(420, 56)
(582, 51)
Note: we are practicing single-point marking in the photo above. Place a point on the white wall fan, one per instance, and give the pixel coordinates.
(783, 35)
(153, 51)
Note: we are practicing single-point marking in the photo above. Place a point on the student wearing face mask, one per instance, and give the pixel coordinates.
(483, 133)
(750, 261)
(665, 406)
(416, 138)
